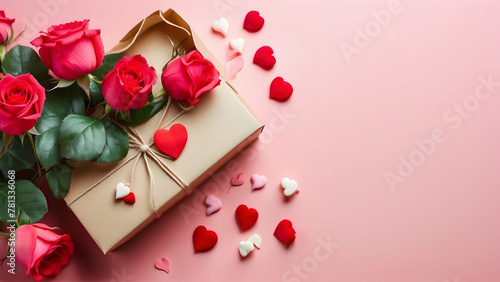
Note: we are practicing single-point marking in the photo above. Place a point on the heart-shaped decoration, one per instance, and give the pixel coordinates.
(253, 21)
(256, 240)
(285, 232)
(290, 186)
(238, 180)
(246, 217)
(221, 26)
(171, 142)
(203, 239)
(129, 199)
(213, 204)
(280, 89)
(258, 181)
(237, 44)
(264, 57)
(245, 248)
(122, 190)
(163, 264)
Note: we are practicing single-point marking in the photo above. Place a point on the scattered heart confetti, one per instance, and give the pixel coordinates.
(129, 199)
(245, 248)
(203, 239)
(238, 179)
(264, 57)
(221, 26)
(213, 204)
(258, 181)
(237, 44)
(285, 232)
(253, 21)
(234, 64)
(246, 217)
(163, 264)
(290, 186)
(280, 89)
(122, 190)
(171, 142)
(256, 240)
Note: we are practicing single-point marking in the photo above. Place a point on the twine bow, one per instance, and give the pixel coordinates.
(145, 150)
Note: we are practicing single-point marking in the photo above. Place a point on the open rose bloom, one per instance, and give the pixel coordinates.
(41, 251)
(71, 50)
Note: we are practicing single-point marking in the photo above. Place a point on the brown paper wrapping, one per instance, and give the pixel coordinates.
(219, 126)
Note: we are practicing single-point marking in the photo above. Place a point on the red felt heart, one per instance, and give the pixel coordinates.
(285, 232)
(171, 142)
(280, 89)
(129, 199)
(253, 21)
(264, 57)
(204, 239)
(246, 217)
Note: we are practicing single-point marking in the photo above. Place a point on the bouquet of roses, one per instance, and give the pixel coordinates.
(66, 104)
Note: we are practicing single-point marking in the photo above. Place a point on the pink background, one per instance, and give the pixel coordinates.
(345, 127)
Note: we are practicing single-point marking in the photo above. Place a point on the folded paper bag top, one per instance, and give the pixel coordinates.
(219, 127)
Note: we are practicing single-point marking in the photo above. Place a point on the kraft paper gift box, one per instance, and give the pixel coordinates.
(219, 126)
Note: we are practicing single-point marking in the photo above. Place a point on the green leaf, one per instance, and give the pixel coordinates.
(143, 114)
(95, 91)
(59, 180)
(21, 59)
(18, 157)
(29, 201)
(47, 147)
(108, 64)
(81, 138)
(116, 147)
(60, 103)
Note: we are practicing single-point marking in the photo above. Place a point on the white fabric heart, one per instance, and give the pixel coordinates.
(221, 26)
(237, 44)
(122, 190)
(245, 248)
(256, 240)
(289, 185)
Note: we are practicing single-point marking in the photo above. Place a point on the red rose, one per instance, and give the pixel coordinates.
(71, 50)
(128, 85)
(21, 103)
(5, 27)
(41, 251)
(187, 77)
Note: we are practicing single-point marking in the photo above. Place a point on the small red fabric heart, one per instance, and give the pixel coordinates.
(203, 239)
(129, 199)
(171, 142)
(253, 21)
(285, 232)
(246, 217)
(264, 57)
(280, 89)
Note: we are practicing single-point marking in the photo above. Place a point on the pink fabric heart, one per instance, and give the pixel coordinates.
(163, 264)
(213, 204)
(234, 64)
(238, 179)
(258, 181)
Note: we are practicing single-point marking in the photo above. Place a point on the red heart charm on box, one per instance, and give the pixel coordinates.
(285, 232)
(171, 142)
(264, 57)
(280, 89)
(129, 199)
(246, 217)
(203, 239)
(253, 21)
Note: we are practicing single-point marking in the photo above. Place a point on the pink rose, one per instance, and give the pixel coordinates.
(187, 77)
(71, 50)
(41, 251)
(128, 85)
(21, 103)
(5, 27)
